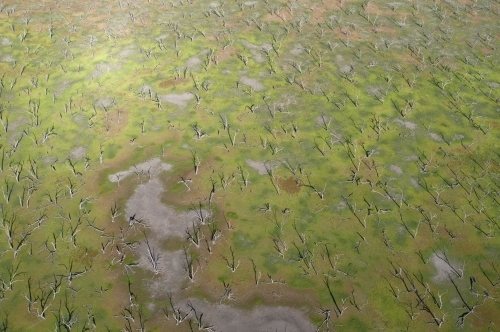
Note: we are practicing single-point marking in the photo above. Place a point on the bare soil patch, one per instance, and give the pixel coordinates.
(49, 160)
(435, 137)
(8, 58)
(171, 273)
(105, 102)
(118, 120)
(79, 118)
(259, 166)
(283, 16)
(78, 152)
(147, 89)
(152, 167)
(225, 318)
(443, 269)
(102, 68)
(127, 52)
(253, 83)
(163, 223)
(226, 53)
(18, 122)
(63, 86)
(396, 169)
(172, 82)
(5, 41)
(297, 49)
(289, 185)
(179, 99)
(493, 85)
(257, 50)
(194, 61)
(406, 124)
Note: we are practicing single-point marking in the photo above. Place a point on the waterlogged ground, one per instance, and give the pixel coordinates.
(253, 166)
(164, 224)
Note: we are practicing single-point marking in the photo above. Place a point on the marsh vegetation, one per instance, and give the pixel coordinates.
(274, 164)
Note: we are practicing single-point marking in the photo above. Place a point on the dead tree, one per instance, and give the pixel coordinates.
(30, 296)
(188, 265)
(459, 272)
(196, 161)
(70, 274)
(71, 165)
(200, 213)
(114, 212)
(55, 285)
(198, 318)
(73, 230)
(257, 274)
(12, 274)
(193, 234)
(15, 239)
(224, 121)
(270, 169)
(199, 132)
(153, 258)
(353, 208)
(325, 121)
(230, 262)
(320, 193)
(305, 255)
(225, 181)
(101, 151)
(228, 292)
(66, 315)
(71, 188)
(279, 245)
(490, 279)
(215, 232)
(179, 316)
(279, 224)
(232, 138)
(185, 182)
(355, 304)
(16, 168)
(44, 299)
(337, 309)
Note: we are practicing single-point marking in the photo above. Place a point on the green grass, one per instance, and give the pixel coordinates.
(392, 143)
